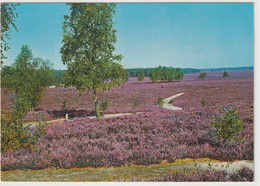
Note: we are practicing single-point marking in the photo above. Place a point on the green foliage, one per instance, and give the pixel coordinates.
(165, 74)
(88, 49)
(63, 106)
(203, 102)
(160, 101)
(152, 75)
(8, 16)
(133, 72)
(228, 125)
(213, 103)
(40, 130)
(136, 103)
(104, 105)
(202, 75)
(28, 76)
(225, 74)
(14, 134)
(58, 75)
(141, 76)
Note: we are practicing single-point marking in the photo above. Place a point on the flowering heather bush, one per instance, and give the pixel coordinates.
(242, 175)
(138, 139)
(35, 115)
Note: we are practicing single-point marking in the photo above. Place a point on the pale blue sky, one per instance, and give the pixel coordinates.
(196, 35)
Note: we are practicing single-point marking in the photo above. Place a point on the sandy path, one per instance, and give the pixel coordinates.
(169, 106)
(115, 115)
(90, 117)
(166, 105)
(228, 166)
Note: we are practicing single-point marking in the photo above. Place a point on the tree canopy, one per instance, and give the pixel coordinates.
(165, 74)
(8, 16)
(88, 49)
(225, 74)
(27, 76)
(202, 75)
(141, 76)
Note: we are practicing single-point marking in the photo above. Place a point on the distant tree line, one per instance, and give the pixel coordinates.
(190, 70)
(165, 74)
(227, 68)
(133, 72)
(155, 74)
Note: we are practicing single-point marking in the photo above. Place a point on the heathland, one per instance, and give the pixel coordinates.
(150, 135)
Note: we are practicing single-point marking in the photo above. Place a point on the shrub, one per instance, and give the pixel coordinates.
(202, 75)
(40, 129)
(225, 74)
(104, 105)
(203, 102)
(63, 106)
(14, 134)
(228, 125)
(160, 101)
(243, 174)
(136, 103)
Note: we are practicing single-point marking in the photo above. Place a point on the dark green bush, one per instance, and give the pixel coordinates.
(136, 103)
(202, 75)
(203, 102)
(63, 106)
(160, 101)
(228, 125)
(225, 74)
(104, 105)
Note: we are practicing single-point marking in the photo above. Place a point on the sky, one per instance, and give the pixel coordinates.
(186, 35)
